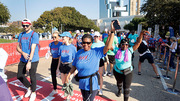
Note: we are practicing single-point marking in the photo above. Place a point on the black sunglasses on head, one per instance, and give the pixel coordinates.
(25, 26)
(86, 43)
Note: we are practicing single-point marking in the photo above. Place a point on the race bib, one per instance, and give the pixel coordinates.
(132, 41)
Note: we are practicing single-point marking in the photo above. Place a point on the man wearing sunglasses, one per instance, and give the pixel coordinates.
(28, 48)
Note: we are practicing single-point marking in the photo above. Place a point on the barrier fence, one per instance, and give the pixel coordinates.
(14, 55)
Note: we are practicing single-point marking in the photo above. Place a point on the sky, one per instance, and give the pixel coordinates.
(89, 8)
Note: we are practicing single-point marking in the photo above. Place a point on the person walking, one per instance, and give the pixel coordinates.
(144, 53)
(87, 63)
(28, 48)
(54, 49)
(123, 65)
(97, 43)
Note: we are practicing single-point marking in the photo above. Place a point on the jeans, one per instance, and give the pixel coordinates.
(32, 72)
(166, 57)
(54, 65)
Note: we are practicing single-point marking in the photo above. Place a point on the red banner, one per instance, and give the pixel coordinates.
(14, 56)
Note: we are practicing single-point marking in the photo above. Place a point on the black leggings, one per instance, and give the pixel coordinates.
(87, 96)
(124, 80)
(32, 72)
(54, 65)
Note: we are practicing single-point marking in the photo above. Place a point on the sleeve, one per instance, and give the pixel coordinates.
(59, 53)
(99, 52)
(50, 44)
(75, 60)
(35, 38)
(129, 36)
(74, 52)
(115, 50)
(19, 37)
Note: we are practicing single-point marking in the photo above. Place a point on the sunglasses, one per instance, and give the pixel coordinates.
(86, 43)
(125, 44)
(54, 37)
(95, 36)
(25, 26)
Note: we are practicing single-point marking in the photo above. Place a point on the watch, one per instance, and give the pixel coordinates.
(29, 60)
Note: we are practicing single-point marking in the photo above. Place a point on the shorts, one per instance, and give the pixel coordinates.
(147, 56)
(152, 49)
(65, 68)
(105, 59)
(101, 63)
(111, 59)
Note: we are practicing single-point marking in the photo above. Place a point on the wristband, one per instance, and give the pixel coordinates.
(29, 60)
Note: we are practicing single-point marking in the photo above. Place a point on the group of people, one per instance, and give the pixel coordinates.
(85, 53)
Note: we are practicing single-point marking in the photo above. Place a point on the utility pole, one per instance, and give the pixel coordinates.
(61, 28)
(51, 27)
(25, 8)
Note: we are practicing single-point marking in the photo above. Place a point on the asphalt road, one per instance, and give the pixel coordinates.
(144, 87)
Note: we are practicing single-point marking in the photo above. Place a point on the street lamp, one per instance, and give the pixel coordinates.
(25, 8)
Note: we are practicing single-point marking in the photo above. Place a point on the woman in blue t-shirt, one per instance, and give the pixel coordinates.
(54, 48)
(123, 65)
(87, 63)
(66, 55)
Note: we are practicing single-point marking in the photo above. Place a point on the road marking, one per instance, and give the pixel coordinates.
(45, 79)
(162, 78)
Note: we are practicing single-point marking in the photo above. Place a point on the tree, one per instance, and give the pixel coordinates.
(69, 17)
(133, 25)
(4, 14)
(162, 12)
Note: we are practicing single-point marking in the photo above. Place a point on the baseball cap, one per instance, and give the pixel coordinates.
(173, 38)
(82, 30)
(26, 21)
(96, 33)
(105, 29)
(66, 34)
(92, 30)
(77, 31)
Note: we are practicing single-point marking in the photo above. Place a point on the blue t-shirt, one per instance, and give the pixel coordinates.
(54, 49)
(133, 39)
(120, 64)
(87, 63)
(119, 39)
(104, 36)
(67, 53)
(25, 40)
(151, 42)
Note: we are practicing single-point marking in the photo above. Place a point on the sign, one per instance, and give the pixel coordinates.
(171, 30)
(43, 92)
(156, 31)
(139, 29)
(150, 30)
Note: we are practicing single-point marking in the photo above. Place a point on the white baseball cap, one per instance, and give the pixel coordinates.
(96, 33)
(92, 30)
(26, 21)
(82, 30)
(105, 29)
(77, 31)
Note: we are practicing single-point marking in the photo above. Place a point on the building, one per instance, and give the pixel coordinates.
(115, 9)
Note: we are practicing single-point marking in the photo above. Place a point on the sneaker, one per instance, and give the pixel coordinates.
(105, 73)
(139, 73)
(158, 76)
(118, 93)
(109, 74)
(32, 97)
(100, 92)
(53, 92)
(28, 93)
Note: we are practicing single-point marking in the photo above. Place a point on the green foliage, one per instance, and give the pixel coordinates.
(68, 17)
(133, 25)
(13, 29)
(4, 14)
(162, 12)
(7, 41)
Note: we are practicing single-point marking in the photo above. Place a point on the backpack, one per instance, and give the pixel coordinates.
(142, 48)
(29, 42)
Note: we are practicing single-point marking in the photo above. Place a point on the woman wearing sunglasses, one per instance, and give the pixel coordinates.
(87, 63)
(123, 65)
(54, 48)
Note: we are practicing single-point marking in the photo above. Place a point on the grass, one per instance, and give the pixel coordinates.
(7, 41)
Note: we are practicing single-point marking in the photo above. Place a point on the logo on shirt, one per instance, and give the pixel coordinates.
(83, 57)
(25, 38)
(65, 51)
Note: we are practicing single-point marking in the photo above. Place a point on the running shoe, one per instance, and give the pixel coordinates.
(139, 73)
(158, 76)
(32, 97)
(28, 93)
(109, 74)
(100, 92)
(118, 93)
(105, 73)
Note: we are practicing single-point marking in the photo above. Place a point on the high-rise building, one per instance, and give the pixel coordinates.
(116, 8)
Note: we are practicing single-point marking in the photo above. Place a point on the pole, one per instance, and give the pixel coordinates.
(25, 8)
(61, 28)
(166, 76)
(51, 27)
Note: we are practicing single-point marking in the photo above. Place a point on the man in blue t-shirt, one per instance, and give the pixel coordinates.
(28, 42)
(105, 34)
